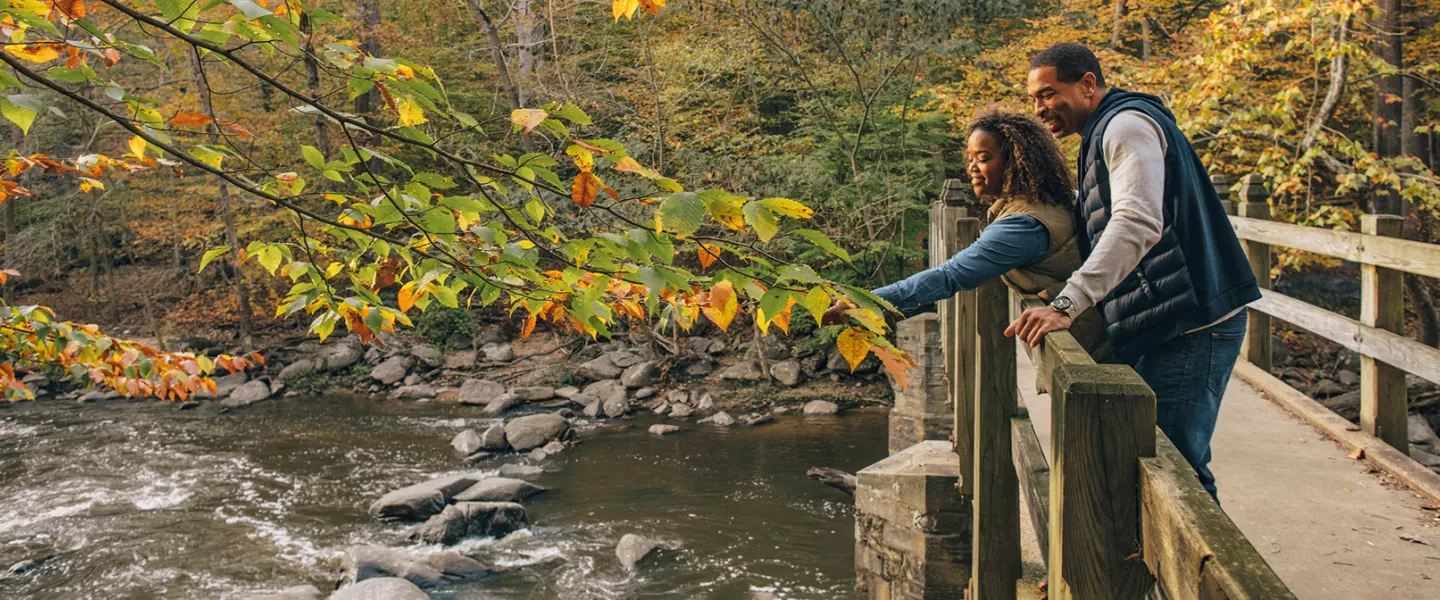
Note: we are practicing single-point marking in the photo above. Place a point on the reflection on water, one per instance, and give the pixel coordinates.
(143, 501)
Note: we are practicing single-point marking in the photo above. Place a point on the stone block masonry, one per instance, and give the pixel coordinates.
(912, 530)
(921, 411)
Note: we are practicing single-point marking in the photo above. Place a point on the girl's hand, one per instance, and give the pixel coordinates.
(836, 314)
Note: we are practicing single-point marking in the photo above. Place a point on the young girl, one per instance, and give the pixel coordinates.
(1030, 243)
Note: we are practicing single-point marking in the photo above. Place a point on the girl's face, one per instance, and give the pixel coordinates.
(987, 164)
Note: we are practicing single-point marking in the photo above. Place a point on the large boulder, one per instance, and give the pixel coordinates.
(480, 391)
(786, 372)
(422, 499)
(502, 352)
(494, 438)
(624, 358)
(640, 374)
(821, 407)
(615, 406)
(296, 370)
(248, 393)
(594, 408)
(633, 548)
(466, 442)
(532, 431)
(392, 370)
(701, 367)
(599, 368)
(464, 359)
(363, 563)
(415, 391)
(499, 489)
(605, 389)
(428, 355)
(505, 402)
(334, 357)
(381, 588)
(745, 370)
(471, 519)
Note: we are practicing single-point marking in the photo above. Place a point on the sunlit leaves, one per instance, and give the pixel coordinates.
(186, 118)
(762, 219)
(35, 53)
(409, 111)
(584, 189)
(788, 207)
(624, 8)
(681, 213)
(708, 254)
(817, 301)
(721, 305)
(854, 345)
(137, 146)
(211, 255)
(824, 242)
(725, 208)
(527, 119)
(21, 110)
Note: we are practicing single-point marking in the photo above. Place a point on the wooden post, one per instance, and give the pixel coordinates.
(1254, 205)
(1382, 305)
(1221, 183)
(996, 560)
(1102, 423)
(963, 365)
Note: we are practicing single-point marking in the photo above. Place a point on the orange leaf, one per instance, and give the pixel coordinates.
(583, 189)
(898, 366)
(723, 305)
(529, 325)
(709, 253)
(406, 297)
(854, 345)
(237, 128)
(782, 320)
(528, 118)
(652, 6)
(72, 9)
(186, 118)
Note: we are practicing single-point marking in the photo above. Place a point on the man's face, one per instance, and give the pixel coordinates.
(1063, 107)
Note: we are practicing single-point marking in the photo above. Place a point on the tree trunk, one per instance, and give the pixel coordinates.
(227, 214)
(1118, 26)
(524, 42)
(312, 79)
(369, 10)
(1388, 91)
(497, 53)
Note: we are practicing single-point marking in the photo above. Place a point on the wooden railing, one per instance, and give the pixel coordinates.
(1119, 510)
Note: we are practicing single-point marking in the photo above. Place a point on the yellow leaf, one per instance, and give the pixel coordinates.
(624, 8)
(528, 118)
(584, 159)
(817, 302)
(333, 269)
(723, 305)
(788, 207)
(404, 72)
(410, 112)
(407, 296)
(629, 165)
(868, 318)
(782, 320)
(854, 345)
(137, 146)
(36, 53)
(709, 253)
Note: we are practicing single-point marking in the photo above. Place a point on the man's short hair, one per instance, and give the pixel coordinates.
(1071, 61)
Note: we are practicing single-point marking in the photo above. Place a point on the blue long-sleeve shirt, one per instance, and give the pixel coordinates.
(1012, 242)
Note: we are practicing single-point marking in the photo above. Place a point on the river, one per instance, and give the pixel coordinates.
(139, 500)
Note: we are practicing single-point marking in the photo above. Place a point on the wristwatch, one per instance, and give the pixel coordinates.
(1064, 305)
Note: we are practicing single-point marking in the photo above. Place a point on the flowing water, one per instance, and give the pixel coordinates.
(143, 501)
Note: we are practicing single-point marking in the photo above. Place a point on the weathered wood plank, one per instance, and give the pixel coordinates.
(1398, 351)
(962, 372)
(1393, 253)
(1055, 349)
(996, 565)
(1102, 423)
(1191, 546)
(1383, 404)
(1413, 474)
(1034, 477)
(1256, 347)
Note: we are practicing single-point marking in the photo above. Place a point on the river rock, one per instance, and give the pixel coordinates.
(515, 470)
(505, 402)
(471, 519)
(615, 406)
(701, 367)
(681, 411)
(678, 397)
(645, 393)
(745, 370)
(1348, 377)
(480, 391)
(223, 386)
(721, 418)
(499, 489)
(428, 355)
(450, 395)
(534, 393)
(821, 407)
(1326, 388)
(567, 392)
(661, 409)
(466, 442)
(334, 357)
(464, 359)
(501, 352)
(539, 454)
(422, 499)
(392, 370)
(299, 592)
(494, 438)
(640, 374)
(754, 419)
(774, 348)
(605, 389)
(786, 372)
(363, 563)
(699, 343)
(415, 391)
(1421, 435)
(592, 410)
(532, 431)
(624, 359)
(248, 393)
(295, 370)
(633, 548)
(706, 402)
(598, 369)
(381, 588)
(492, 334)
(662, 429)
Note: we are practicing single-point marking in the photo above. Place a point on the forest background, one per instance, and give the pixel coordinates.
(853, 109)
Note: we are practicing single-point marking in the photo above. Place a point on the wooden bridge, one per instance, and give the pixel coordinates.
(1078, 489)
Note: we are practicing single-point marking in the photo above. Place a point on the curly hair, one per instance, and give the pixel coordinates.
(1036, 167)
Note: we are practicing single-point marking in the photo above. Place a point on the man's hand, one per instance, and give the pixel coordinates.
(1033, 324)
(836, 315)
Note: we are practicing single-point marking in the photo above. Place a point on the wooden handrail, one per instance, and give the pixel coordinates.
(1392, 348)
(1392, 253)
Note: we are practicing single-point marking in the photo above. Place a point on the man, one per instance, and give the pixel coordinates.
(1161, 260)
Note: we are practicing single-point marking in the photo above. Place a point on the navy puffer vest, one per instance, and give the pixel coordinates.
(1197, 272)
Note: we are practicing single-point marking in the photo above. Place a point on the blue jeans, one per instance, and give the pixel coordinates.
(1189, 374)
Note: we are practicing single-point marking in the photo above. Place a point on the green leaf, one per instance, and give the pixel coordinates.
(801, 273)
(817, 302)
(69, 75)
(17, 114)
(573, 114)
(682, 213)
(774, 301)
(535, 209)
(824, 242)
(210, 255)
(435, 180)
(762, 219)
(440, 221)
(7, 80)
(313, 156)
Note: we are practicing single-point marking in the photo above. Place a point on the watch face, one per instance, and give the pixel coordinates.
(1063, 303)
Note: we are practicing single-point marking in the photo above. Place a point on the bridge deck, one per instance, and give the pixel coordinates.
(1328, 527)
